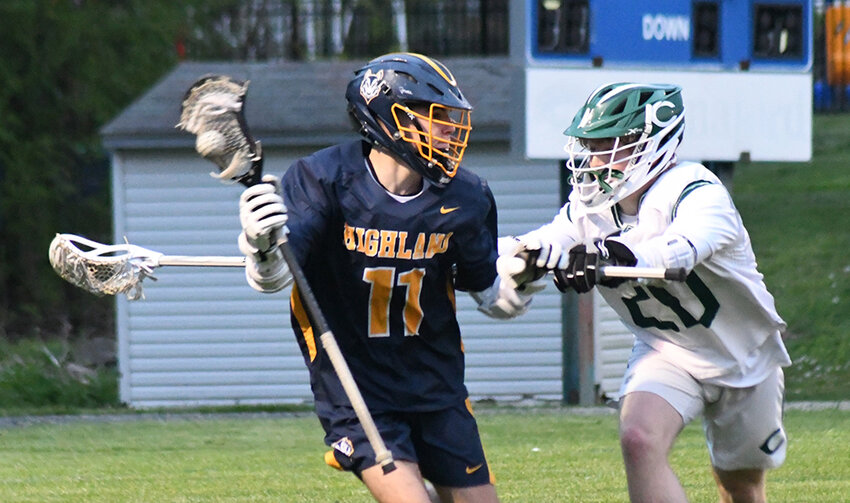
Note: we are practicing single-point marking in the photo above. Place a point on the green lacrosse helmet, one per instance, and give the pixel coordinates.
(645, 123)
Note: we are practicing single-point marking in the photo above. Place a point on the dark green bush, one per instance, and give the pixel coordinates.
(52, 377)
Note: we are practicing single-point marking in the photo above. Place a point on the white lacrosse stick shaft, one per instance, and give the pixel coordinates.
(612, 271)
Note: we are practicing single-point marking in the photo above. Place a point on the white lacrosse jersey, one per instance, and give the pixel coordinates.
(720, 324)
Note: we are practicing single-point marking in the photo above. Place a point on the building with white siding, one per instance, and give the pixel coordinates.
(202, 336)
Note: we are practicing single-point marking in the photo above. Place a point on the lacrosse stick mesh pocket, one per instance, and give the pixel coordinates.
(95, 273)
(213, 111)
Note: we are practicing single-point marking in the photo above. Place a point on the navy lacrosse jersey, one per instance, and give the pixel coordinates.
(384, 274)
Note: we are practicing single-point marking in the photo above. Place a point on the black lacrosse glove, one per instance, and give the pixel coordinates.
(585, 261)
(615, 252)
(580, 274)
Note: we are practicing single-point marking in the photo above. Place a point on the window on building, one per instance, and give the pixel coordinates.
(563, 26)
(706, 30)
(778, 31)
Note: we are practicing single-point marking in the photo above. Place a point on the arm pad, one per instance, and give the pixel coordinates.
(705, 223)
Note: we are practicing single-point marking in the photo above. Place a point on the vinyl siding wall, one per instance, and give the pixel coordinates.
(202, 336)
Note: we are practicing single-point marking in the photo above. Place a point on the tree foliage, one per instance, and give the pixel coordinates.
(68, 67)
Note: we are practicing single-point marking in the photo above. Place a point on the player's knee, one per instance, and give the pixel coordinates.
(637, 443)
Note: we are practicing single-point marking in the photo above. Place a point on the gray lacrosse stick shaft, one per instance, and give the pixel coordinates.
(383, 456)
(211, 261)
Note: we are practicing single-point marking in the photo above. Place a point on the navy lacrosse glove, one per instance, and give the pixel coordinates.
(581, 273)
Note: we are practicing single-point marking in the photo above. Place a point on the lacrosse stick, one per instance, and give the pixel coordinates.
(528, 271)
(112, 269)
(213, 110)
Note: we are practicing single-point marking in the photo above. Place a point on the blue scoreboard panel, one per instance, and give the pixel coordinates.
(744, 65)
(715, 34)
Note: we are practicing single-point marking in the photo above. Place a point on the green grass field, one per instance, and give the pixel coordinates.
(798, 217)
(539, 455)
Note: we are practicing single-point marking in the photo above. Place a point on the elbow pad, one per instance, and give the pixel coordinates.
(671, 252)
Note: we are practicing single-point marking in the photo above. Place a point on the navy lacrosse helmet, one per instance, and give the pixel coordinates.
(411, 106)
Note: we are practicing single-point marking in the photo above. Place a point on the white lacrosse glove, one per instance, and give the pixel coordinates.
(528, 258)
(263, 218)
(263, 214)
(501, 301)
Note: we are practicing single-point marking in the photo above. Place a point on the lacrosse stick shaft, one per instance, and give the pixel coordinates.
(675, 274)
(383, 456)
(210, 261)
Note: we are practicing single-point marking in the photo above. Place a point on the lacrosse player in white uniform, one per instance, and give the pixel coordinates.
(707, 346)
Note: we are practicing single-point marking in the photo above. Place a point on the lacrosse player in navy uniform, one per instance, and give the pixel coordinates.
(387, 229)
(707, 346)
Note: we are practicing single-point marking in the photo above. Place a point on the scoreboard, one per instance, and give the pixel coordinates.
(745, 67)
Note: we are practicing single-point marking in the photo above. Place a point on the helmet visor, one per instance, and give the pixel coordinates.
(439, 133)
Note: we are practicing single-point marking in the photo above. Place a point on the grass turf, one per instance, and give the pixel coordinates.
(798, 217)
(538, 455)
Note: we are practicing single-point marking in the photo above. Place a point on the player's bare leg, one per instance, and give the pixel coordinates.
(740, 486)
(402, 485)
(477, 494)
(648, 427)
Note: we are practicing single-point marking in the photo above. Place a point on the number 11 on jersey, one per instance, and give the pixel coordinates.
(381, 282)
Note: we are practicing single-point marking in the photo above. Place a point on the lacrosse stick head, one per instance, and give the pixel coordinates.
(102, 269)
(213, 110)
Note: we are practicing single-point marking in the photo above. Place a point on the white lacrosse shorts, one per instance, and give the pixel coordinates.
(743, 426)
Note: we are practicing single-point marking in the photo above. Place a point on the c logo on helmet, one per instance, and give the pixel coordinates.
(370, 87)
(652, 113)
